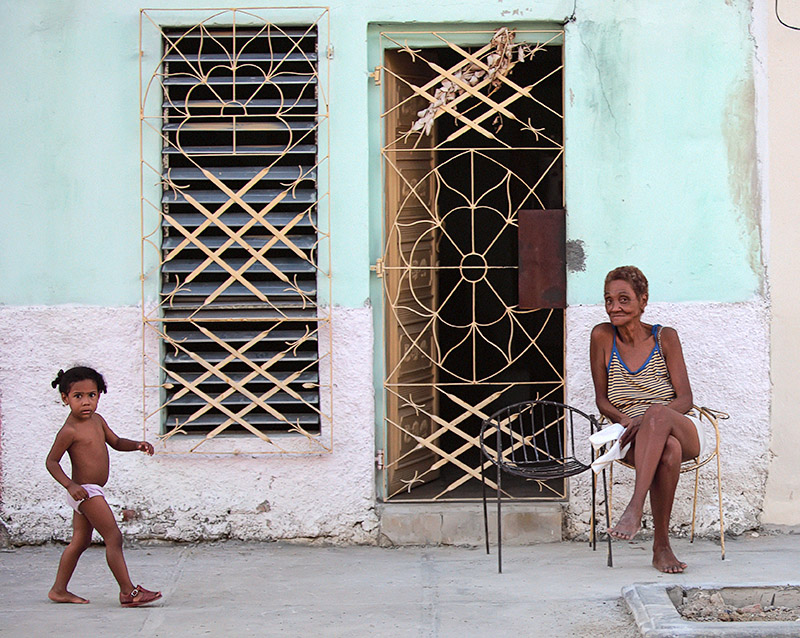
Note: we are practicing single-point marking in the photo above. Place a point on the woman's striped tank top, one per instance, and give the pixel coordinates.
(633, 392)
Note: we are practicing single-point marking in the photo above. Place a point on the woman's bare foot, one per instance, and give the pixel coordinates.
(665, 561)
(66, 597)
(627, 526)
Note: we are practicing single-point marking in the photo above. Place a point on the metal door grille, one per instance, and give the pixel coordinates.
(494, 144)
(241, 242)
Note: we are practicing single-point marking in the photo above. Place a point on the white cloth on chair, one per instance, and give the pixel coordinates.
(608, 434)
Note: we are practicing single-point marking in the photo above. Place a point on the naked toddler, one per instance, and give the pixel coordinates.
(84, 437)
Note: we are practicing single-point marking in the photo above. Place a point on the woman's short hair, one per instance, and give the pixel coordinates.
(632, 275)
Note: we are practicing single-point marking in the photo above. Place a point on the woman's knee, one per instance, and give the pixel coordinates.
(672, 455)
(657, 417)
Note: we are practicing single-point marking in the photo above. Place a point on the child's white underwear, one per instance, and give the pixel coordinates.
(91, 489)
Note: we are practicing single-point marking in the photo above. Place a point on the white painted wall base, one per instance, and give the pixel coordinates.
(330, 497)
(326, 497)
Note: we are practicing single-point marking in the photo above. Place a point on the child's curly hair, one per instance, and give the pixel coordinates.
(633, 276)
(64, 380)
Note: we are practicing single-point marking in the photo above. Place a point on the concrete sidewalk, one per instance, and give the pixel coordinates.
(278, 589)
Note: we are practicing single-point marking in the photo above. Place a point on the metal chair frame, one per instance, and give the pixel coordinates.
(523, 448)
(712, 416)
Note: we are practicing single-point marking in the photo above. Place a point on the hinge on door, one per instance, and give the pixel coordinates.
(376, 75)
(377, 268)
(329, 52)
(379, 460)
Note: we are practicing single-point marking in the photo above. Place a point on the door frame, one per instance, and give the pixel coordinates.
(416, 36)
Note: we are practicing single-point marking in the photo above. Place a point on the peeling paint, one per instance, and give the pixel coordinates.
(739, 133)
(576, 256)
(648, 171)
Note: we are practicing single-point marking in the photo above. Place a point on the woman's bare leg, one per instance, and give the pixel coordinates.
(658, 424)
(81, 539)
(662, 495)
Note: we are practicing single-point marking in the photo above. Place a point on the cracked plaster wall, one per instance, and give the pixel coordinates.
(326, 497)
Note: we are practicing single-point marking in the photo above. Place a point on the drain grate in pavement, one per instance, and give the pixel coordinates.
(714, 610)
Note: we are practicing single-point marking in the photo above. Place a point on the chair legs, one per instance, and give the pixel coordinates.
(610, 558)
(485, 510)
(694, 503)
(499, 519)
(593, 520)
(719, 499)
(499, 525)
(593, 524)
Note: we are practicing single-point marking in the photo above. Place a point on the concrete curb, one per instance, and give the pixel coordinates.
(656, 616)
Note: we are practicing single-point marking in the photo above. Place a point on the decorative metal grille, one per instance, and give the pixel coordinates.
(473, 135)
(238, 106)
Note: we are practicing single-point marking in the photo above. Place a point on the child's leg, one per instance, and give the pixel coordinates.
(101, 517)
(81, 538)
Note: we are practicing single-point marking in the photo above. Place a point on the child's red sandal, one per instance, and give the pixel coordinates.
(139, 596)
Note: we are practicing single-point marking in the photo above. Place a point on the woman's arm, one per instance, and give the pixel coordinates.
(673, 354)
(599, 354)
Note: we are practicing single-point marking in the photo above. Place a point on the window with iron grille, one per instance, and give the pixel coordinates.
(239, 319)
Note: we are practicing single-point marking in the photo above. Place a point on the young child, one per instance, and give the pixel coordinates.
(84, 437)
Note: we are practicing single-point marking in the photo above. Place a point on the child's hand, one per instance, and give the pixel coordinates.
(147, 448)
(77, 491)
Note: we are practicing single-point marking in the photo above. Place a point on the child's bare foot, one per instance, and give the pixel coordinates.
(66, 597)
(665, 561)
(627, 526)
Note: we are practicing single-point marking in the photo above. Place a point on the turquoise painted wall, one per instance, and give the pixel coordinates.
(660, 148)
(660, 162)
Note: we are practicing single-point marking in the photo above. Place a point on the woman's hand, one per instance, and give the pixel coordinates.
(631, 429)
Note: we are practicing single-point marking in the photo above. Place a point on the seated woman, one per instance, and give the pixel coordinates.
(640, 381)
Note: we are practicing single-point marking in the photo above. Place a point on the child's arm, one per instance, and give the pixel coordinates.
(125, 445)
(63, 440)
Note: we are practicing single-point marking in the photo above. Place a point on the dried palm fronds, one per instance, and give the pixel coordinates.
(498, 61)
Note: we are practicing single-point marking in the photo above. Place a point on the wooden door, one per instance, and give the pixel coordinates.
(409, 261)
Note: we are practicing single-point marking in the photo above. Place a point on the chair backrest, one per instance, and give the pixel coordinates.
(710, 417)
(538, 439)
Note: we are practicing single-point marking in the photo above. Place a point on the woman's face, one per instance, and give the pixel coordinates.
(622, 304)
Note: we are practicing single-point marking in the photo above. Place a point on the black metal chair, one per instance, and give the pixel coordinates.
(536, 440)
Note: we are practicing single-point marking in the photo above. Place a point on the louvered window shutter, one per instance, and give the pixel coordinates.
(239, 227)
